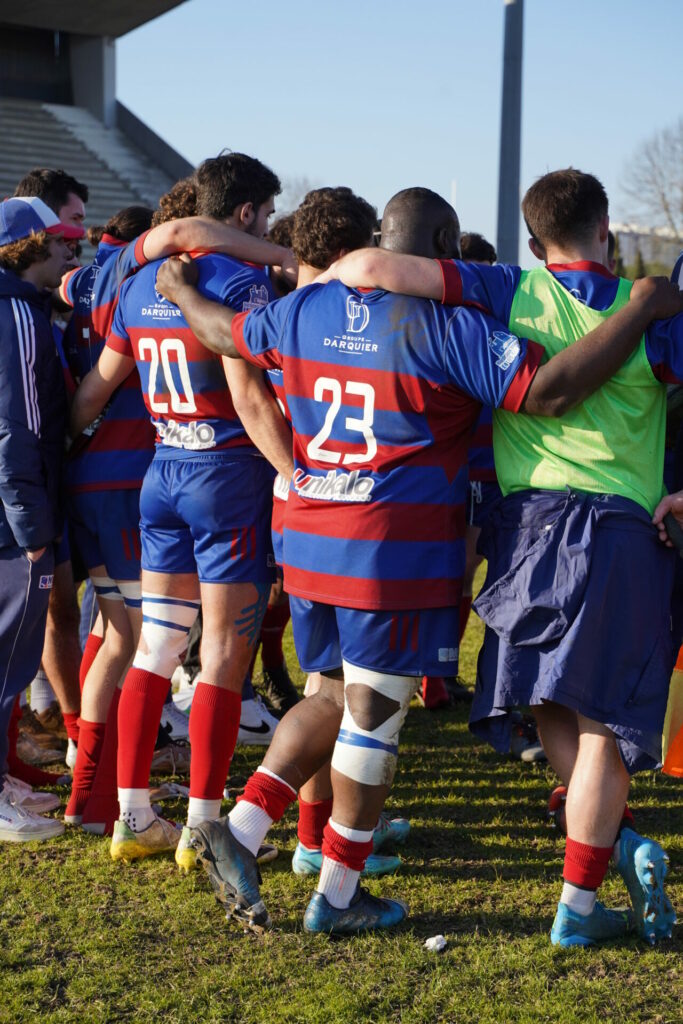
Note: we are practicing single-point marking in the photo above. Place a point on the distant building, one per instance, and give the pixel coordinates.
(657, 245)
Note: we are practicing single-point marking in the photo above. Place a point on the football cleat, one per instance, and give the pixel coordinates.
(572, 929)
(555, 810)
(309, 862)
(364, 913)
(18, 825)
(175, 723)
(279, 690)
(643, 865)
(171, 759)
(24, 795)
(233, 873)
(524, 742)
(160, 836)
(389, 832)
(433, 694)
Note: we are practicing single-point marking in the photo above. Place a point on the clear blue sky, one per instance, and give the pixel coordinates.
(382, 95)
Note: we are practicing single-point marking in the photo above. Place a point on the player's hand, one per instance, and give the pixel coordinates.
(670, 503)
(659, 295)
(36, 555)
(174, 274)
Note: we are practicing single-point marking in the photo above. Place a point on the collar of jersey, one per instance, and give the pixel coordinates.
(580, 265)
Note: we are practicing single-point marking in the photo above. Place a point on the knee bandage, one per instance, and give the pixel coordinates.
(166, 622)
(131, 591)
(368, 752)
(106, 588)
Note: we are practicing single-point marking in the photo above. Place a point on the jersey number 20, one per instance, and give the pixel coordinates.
(328, 385)
(160, 355)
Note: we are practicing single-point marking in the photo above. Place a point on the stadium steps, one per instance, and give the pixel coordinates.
(49, 135)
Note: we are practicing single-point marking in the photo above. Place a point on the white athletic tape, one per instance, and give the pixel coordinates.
(369, 756)
(131, 591)
(106, 588)
(166, 622)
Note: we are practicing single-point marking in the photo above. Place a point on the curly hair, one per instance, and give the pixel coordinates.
(179, 201)
(476, 249)
(280, 231)
(19, 256)
(329, 220)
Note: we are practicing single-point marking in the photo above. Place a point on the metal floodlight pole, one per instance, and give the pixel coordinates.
(510, 135)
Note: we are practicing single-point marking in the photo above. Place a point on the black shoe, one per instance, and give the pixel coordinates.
(233, 873)
(458, 693)
(279, 689)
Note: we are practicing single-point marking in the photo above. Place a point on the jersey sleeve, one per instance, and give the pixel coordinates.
(258, 334)
(118, 339)
(490, 289)
(244, 289)
(67, 287)
(664, 349)
(131, 258)
(483, 359)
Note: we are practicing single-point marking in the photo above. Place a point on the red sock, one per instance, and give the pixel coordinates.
(312, 820)
(89, 749)
(464, 612)
(627, 819)
(103, 805)
(273, 795)
(214, 722)
(272, 630)
(585, 866)
(18, 768)
(140, 705)
(71, 724)
(346, 851)
(92, 646)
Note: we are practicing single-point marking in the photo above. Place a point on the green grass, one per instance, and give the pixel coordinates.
(85, 940)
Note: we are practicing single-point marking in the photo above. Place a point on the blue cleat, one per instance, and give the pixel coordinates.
(309, 862)
(572, 929)
(389, 832)
(364, 913)
(233, 873)
(643, 865)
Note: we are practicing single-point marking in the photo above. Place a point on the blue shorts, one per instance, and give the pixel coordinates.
(106, 529)
(403, 643)
(577, 608)
(210, 515)
(482, 497)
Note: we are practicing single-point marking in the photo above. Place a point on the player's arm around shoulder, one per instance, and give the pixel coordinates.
(584, 366)
(388, 271)
(209, 320)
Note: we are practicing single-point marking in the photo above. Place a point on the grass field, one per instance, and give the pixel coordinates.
(84, 940)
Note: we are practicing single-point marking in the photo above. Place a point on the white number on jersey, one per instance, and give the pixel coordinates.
(328, 385)
(160, 355)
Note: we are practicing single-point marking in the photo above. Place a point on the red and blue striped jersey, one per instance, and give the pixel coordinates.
(383, 391)
(480, 453)
(116, 454)
(183, 383)
(493, 289)
(281, 484)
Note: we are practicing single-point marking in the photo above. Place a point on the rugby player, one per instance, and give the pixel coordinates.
(577, 595)
(383, 392)
(205, 512)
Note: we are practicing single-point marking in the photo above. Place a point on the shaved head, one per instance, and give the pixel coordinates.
(418, 222)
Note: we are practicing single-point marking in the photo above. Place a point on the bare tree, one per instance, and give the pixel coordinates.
(293, 191)
(653, 180)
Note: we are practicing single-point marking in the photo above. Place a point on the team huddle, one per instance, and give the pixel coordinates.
(258, 429)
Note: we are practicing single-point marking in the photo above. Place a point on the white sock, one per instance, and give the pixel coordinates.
(136, 809)
(581, 901)
(249, 824)
(338, 882)
(200, 810)
(42, 694)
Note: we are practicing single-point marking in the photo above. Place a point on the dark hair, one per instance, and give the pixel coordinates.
(280, 231)
(21, 255)
(328, 220)
(125, 225)
(474, 248)
(227, 181)
(611, 245)
(179, 201)
(53, 187)
(564, 206)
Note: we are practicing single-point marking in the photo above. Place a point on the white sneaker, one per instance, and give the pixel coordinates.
(182, 700)
(178, 722)
(257, 725)
(25, 797)
(71, 754)
(17, 825)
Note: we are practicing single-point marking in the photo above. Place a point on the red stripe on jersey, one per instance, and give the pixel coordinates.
(352, 592)
(126, 545)
(378, 521)
(416, 632)
(394, 392)
(123, 435)
(135, 534)
(521, 382)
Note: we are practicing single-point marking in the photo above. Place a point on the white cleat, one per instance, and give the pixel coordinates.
(176, 721)
(257, 725)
